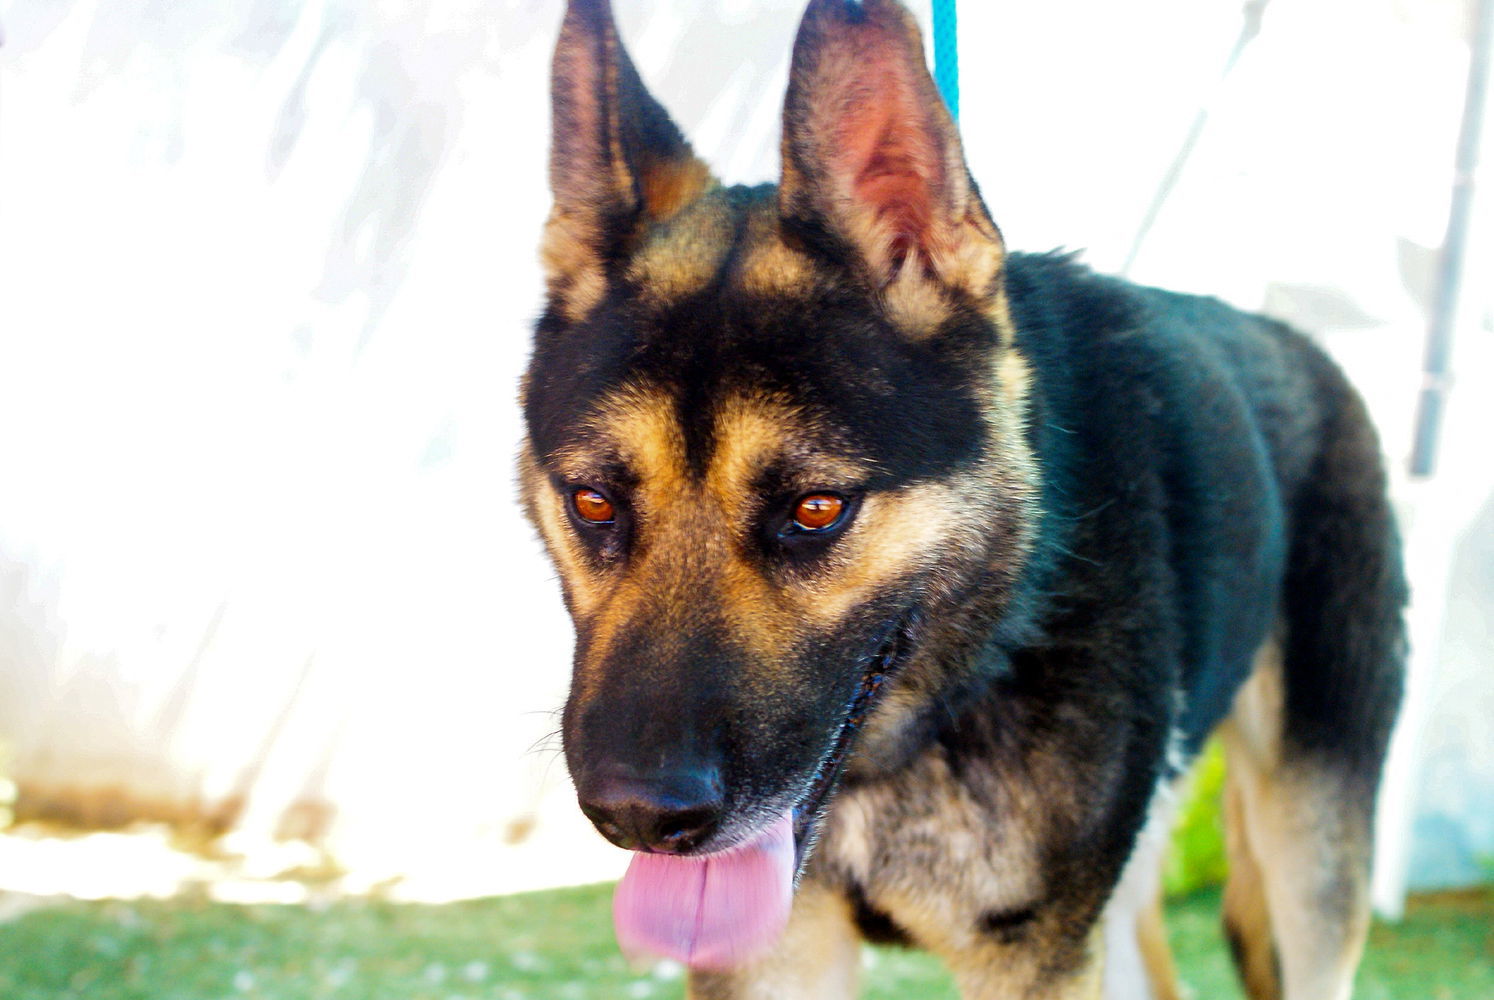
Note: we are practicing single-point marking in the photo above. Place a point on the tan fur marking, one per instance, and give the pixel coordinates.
(683, 255)
(576, 578)
(1307, 837)
(969, 260)
(981, 865)
(1247, 920)
(1254, 724)
(917, 305)
(751, 431)
(1014, 382)
(770, 266)
(573, 273)
(895, 535)
(640, 428)
(988, 974)
(998, 311)
(670, 187)
(936, 854)
(1088, 983)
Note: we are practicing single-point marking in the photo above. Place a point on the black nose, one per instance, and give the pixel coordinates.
(671, 813)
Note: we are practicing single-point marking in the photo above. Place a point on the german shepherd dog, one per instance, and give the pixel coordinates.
(908, 573)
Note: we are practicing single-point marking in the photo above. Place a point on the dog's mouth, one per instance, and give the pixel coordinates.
(809, 812)
(720, 909)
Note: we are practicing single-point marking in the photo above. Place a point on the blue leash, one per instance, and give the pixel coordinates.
(947, 55)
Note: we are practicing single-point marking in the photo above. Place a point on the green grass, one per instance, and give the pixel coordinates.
(558, 946)
(1197, 859)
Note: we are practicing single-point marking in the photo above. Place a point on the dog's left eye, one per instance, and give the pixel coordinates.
(819, 511)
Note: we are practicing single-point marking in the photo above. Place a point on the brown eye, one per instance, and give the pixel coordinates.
(818, 511)
(592, 507)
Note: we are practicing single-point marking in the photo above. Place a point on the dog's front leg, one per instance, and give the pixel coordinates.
(816, 959)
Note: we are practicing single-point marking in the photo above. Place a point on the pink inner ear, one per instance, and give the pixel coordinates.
(885, 152)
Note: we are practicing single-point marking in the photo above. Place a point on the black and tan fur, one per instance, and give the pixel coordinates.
(1089, 523)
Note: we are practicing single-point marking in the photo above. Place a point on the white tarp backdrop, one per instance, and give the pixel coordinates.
(267, 273)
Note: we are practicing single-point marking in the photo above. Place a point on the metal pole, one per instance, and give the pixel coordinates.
(1254, 10)
(1436, 374)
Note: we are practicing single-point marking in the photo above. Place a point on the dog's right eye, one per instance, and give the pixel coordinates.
(592, 507)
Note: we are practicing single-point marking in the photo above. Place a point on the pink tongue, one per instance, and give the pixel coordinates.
(710, 911)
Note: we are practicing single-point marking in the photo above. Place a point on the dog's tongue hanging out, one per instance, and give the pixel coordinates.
(710, 911)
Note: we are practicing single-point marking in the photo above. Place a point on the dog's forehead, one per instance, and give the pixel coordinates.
(752, 440)
(730, 333)
(731, 239)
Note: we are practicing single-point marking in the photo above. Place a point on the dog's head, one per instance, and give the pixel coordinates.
(773, 433)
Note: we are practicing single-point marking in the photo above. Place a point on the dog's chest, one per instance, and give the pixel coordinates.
(946, 859)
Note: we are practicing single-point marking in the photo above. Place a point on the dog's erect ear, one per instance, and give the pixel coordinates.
(617, 161)
(871, 155)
